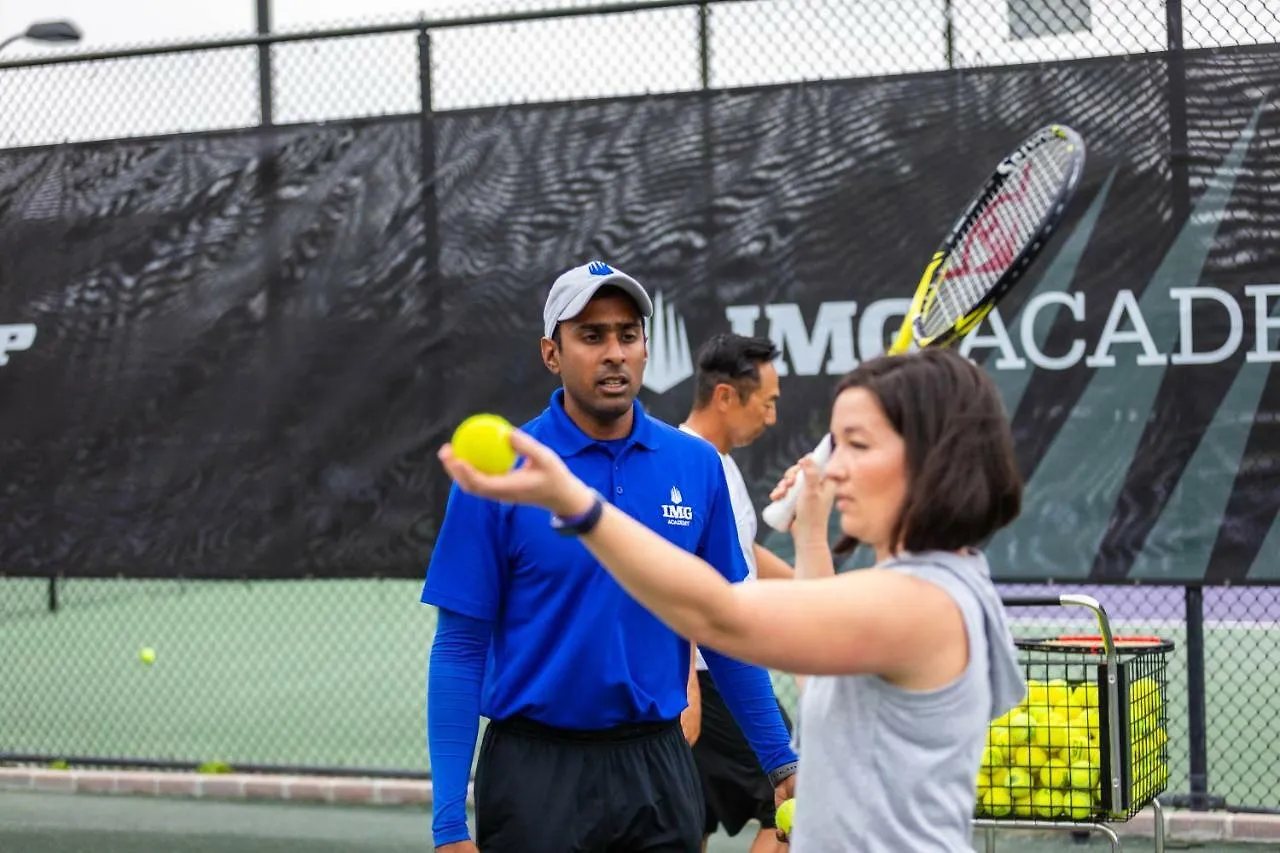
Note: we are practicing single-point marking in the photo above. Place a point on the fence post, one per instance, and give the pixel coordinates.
(428, 203)
(949, 33)
(708, 140)
(1177, 82)
(704, 45)
(1199, 799)
(265, 94)
(427, 171)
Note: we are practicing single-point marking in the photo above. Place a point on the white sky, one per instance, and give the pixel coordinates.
(753, 42)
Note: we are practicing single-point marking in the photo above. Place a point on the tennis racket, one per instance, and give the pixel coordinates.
(1002, 230)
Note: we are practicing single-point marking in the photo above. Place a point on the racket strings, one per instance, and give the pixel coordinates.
(1002, 225)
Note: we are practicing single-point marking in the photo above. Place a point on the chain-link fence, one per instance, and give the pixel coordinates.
(331, 673)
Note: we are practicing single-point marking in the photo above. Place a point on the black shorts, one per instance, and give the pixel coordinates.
(736, 788)
(624, 790)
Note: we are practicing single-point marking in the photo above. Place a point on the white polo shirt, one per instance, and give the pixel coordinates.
(744, 515)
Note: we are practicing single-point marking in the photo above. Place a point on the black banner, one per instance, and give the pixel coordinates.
(234, 355)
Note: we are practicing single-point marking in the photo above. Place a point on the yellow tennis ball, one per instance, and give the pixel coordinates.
(784, 815)
(1084, 775)
(1055, 774)
(147, 655)
(484, 442)
(1042, 802)
(1078, 804)
(1019, 782)
(1019, 726)
(997, 802)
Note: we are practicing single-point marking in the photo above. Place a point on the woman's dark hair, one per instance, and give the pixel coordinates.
(963, 482)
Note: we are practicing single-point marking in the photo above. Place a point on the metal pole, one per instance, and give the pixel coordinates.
(429, 206)
(53, 595)
(707, 116)
(704, 45)
(949, 33)
(427, 168)
(1177, 80)
(1197, 734)
(265, 93)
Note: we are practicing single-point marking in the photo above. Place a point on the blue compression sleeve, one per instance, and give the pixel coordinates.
(453, 717)
(748, 691)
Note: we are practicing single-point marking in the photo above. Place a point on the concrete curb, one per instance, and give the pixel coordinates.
(1179, 825)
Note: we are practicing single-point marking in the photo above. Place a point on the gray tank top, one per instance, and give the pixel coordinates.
(886, 770)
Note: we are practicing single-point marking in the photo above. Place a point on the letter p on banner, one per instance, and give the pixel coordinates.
(16, 338)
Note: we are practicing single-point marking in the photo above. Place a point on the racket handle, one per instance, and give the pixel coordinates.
(782, 512)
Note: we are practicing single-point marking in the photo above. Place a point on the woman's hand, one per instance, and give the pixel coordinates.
(813, 507)
(541, 479)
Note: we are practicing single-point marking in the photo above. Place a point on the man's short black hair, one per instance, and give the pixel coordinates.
(734, 360)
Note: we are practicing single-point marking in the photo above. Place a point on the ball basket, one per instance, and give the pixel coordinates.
(1088, 745)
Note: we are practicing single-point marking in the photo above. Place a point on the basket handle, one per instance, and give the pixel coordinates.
(1072, 600)
(1032, 601)
(1108, 643)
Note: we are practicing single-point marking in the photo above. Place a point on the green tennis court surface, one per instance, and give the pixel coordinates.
(66, 823)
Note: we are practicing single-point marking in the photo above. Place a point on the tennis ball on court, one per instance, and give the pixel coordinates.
(484, 441)
(147, 655)
(784, 815)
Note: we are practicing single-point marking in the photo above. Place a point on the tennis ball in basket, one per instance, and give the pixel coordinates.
(1019, 725)
(1042, 801)
(1080, 747)
(1058, 692)
(1085, 696)
(1078, 804)
(997, 802)
(484, 441)
(1055, 774)
(784, 815)
(1019, 782)
(147, 655)
(1084, 775)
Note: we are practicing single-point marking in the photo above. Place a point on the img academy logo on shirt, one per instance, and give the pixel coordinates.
(676, 512)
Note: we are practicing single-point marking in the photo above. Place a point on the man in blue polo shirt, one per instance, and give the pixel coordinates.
(582, 686)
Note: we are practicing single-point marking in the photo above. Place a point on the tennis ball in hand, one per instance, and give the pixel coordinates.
(484, 442)
(147, 655)
(784, 815)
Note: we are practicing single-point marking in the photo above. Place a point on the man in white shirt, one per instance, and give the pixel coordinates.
(735, 399)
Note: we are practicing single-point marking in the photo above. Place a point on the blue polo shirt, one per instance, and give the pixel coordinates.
(570, 648)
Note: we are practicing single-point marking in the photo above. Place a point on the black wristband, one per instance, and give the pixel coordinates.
(580, 525)
(780, 774)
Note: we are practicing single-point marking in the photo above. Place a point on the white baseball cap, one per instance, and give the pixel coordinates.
(574, 289)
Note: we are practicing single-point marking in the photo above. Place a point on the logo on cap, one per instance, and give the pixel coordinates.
(599, 268)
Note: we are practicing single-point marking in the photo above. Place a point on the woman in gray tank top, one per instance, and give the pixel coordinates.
(910, 659)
